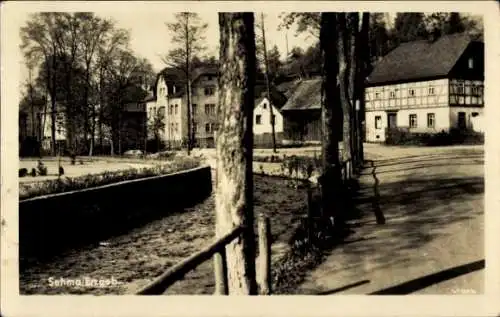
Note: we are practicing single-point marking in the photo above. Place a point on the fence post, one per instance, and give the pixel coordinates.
(264, 265)
(220, 267)
(309, 212)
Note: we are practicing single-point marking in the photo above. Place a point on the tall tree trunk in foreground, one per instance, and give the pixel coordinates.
(343, 50)
(364, 59)
(353, 48)
(234, 192)
(330, 116)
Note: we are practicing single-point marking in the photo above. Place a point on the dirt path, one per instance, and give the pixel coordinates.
(432, 241)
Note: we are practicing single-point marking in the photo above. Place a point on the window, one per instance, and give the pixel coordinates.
(377, 95)
(176, 127)
(411, 92)
(207, 127)
(431, 120)
(209, 91)
(471, 63)
(392, 94)
(413, 121)
(258, 119)
(161, 112)
(460, 88)
(210, 108)
(171, 110)
(431, 90)
(475, 90)
(378, 122)
(194, 108)
(264, 105)
(209, 77)
(176, 109)
(195, 127)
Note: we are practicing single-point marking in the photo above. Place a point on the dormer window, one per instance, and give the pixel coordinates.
(471, 63)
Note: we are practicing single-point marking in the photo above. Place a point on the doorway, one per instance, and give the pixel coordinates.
(391, 120)
(461, 121)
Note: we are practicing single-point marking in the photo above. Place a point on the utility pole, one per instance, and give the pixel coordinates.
(267, 84)
(286, 41)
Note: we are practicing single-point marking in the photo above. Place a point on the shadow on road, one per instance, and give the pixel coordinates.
(415, 209)
(428, 280)
(343, 288)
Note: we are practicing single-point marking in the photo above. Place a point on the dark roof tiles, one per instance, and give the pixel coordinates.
(307, 95)
(420, 59)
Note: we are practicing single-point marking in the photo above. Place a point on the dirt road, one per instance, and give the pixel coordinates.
(432, 242)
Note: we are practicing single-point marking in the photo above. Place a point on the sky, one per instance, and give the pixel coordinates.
(151, 39)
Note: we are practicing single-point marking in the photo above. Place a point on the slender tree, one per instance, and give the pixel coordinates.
(188, 35)
(266, 74)
(38, 38)
(234, 192)
(94, 29)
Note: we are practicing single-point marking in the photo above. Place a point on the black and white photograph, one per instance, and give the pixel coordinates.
(281, 152)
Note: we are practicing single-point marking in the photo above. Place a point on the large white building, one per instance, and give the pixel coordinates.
(170, 90)
(427, 86)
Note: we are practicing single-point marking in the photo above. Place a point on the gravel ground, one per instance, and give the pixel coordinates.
(136, 258)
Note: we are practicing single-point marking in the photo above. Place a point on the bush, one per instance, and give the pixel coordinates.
(93, 180)
(402, 136)
(41, 168)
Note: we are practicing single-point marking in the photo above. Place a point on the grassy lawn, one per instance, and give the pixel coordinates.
(139, 256)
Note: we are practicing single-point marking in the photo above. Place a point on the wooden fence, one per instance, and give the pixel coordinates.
(218, 249)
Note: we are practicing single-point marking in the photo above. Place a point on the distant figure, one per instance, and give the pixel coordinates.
(23, 172)
(61, 170)
(33, 172)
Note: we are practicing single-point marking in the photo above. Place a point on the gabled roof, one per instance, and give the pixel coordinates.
(205, 70)
(277, 98)
(287, 88)
(419, 60)
(307, 96)
(149, 97)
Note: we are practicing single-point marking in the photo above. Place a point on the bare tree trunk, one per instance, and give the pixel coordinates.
(330, 116)
(234, 192)
(353, 44)
(52, 92)
(364, 59)
(273, 133)
(343, 61)
(188, 88)
(92, 131)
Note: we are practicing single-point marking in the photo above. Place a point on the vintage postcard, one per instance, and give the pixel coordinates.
(277, 151)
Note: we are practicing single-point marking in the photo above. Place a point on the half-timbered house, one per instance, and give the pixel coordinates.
(427, 87)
